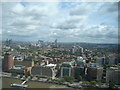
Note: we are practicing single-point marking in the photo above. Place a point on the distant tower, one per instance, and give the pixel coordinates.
(40, 41)
(8, 42)
(56, 43)
(7, 62)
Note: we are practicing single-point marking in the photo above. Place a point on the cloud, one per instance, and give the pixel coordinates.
(64, 21)
(112, 7)
(81, 9)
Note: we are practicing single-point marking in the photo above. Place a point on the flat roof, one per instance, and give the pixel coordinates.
(51, 65)
(114, 68)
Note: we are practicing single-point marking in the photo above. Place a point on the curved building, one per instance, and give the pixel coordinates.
(43, 71)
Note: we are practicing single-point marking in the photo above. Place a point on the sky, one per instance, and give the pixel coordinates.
(91, 22)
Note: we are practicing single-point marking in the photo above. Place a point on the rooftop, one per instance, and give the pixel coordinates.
(115, 68)
(18, 67)
(51, 65)
(67, 64)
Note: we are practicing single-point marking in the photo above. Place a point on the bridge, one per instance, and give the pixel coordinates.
(23, 82)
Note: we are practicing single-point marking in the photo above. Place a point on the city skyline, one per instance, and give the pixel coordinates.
(93, 22)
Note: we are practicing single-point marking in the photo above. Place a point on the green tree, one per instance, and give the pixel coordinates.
(62, 80)
(69, 79)
(31, 77)
(21, 76)
(26, 76)
(111, 84)
(79, 78)
(99, 82)
(85, 82)
(93, 83)
(106, 66)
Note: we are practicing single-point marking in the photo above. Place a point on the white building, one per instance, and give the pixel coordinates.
(67, 69)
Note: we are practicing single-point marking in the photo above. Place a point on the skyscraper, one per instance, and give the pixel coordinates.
(56, 43)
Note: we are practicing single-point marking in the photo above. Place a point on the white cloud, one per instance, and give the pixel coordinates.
(49, 21)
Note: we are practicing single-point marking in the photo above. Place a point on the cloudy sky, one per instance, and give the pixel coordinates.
(66, 21)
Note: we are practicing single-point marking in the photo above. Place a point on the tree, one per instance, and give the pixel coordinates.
(93, 83)
(111, 84)
(31, 77)
(26, 76)
(21, 76)
(62, 80)
(86, 82)
(99, 82)
(79, 78)
(69, 79)
(106, 66)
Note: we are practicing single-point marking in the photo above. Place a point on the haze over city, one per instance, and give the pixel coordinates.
(59, 45)
(66, 21)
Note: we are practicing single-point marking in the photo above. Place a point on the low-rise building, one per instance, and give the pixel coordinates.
(19, 69)
(27, 63)
(18, 58)
(44, 71)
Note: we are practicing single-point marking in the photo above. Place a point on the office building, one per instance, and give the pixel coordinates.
(100, 61)
(94, 72)
(79, 71)
(67, 69)
(112, 61)
(113, 75)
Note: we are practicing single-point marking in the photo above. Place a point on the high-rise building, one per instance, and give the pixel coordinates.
(80, 50)
(74, 49)
(113, 75)
(8, 42)
(56, 44)
(7, 62)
